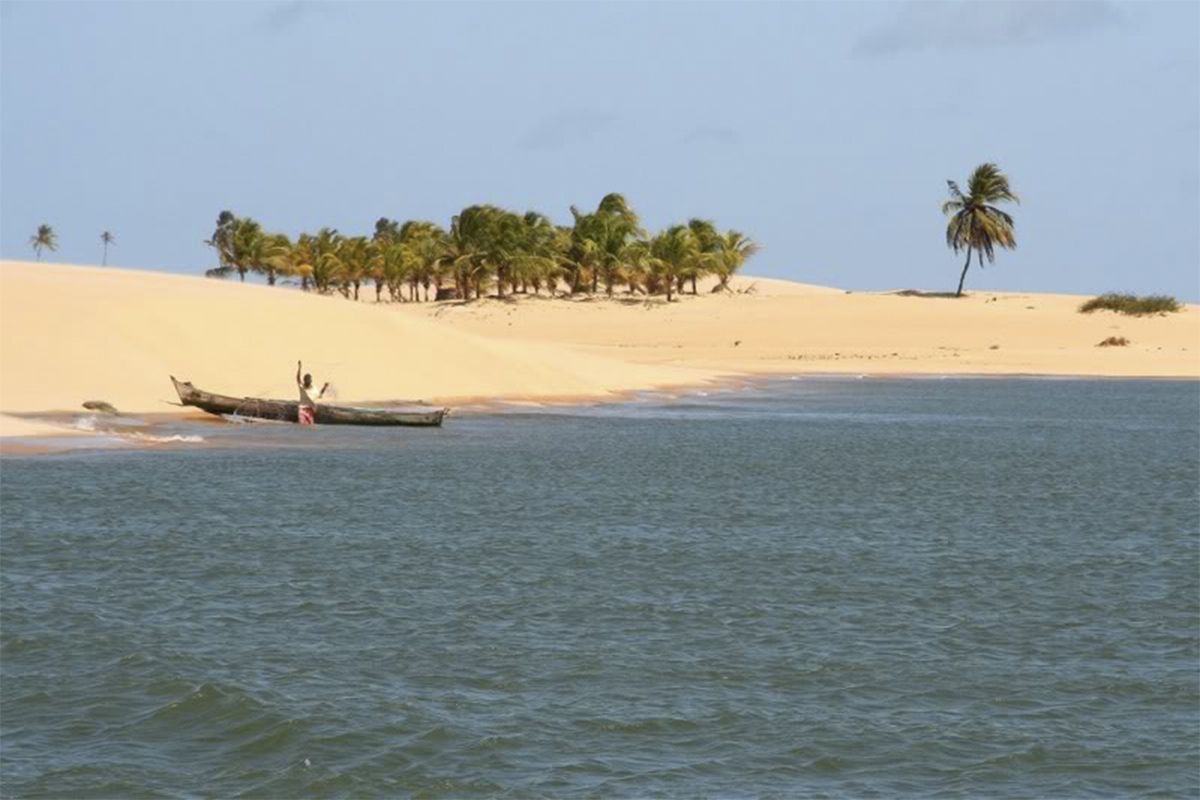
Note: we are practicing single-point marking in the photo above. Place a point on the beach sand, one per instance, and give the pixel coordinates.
(69, 334)
(781, 327)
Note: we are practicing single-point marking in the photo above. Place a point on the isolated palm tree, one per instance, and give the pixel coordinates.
(44, 239)
(975, 224)
(107, 239)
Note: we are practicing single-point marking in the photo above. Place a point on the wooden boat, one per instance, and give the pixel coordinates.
(288, 410)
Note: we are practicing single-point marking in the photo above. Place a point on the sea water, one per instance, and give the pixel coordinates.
(816, 587)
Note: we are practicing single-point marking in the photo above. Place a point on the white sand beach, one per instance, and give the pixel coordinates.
(70, 334)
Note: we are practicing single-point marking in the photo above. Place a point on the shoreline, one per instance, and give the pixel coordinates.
(72, 334)
(49, 433)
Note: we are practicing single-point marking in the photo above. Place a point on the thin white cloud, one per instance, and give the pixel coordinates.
(566, 128)
(712, 135)
(280, 17)
(947, 24)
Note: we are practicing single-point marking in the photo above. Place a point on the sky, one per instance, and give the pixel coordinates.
(826, 132)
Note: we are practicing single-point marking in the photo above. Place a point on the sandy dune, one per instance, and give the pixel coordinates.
(70, 334)
(782, 327)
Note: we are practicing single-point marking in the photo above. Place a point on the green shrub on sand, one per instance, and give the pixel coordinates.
(1131, 304)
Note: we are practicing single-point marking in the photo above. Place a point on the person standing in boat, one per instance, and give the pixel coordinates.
(307, 411)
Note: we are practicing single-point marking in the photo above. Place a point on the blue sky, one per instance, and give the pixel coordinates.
(825, 131)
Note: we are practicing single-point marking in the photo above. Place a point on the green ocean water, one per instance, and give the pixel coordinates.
(821, 587)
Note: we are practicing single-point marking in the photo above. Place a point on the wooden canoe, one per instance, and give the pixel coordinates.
(288, 410)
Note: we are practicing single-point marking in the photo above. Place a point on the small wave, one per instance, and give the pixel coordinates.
(85, 424)
(177, 437)
(656, 725)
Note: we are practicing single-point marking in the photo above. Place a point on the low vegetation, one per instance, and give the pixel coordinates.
(1131, 304)
(489, 249)
(1114, 341)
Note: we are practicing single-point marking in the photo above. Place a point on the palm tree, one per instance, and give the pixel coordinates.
(325, 246)
(535, 258)
(303, 256)
(354, 257)
(222, 242)
(107, 238)
(709, 242)
(278, 257)
(673, 254)
(603, 238)
(470, 246)
(424, 243)
(733, 250)
(44, 239)
(974, 223)
(246, 246)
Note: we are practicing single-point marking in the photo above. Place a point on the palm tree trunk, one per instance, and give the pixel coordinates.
(693, 284)
(104, 261)
(963, 277)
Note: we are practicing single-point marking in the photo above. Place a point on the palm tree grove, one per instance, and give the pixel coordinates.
(489, 250)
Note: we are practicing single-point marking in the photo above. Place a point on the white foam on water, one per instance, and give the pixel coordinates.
(147, 437)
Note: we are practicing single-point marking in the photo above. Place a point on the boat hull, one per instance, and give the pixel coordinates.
(289, 410)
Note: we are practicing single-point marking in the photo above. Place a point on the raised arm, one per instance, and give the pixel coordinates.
(298, 381)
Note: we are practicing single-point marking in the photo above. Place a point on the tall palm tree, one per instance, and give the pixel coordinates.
(974, 223)
(107, 238)
(44, 239)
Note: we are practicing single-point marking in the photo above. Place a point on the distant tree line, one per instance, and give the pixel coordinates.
(489, 249)
(45, 238)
